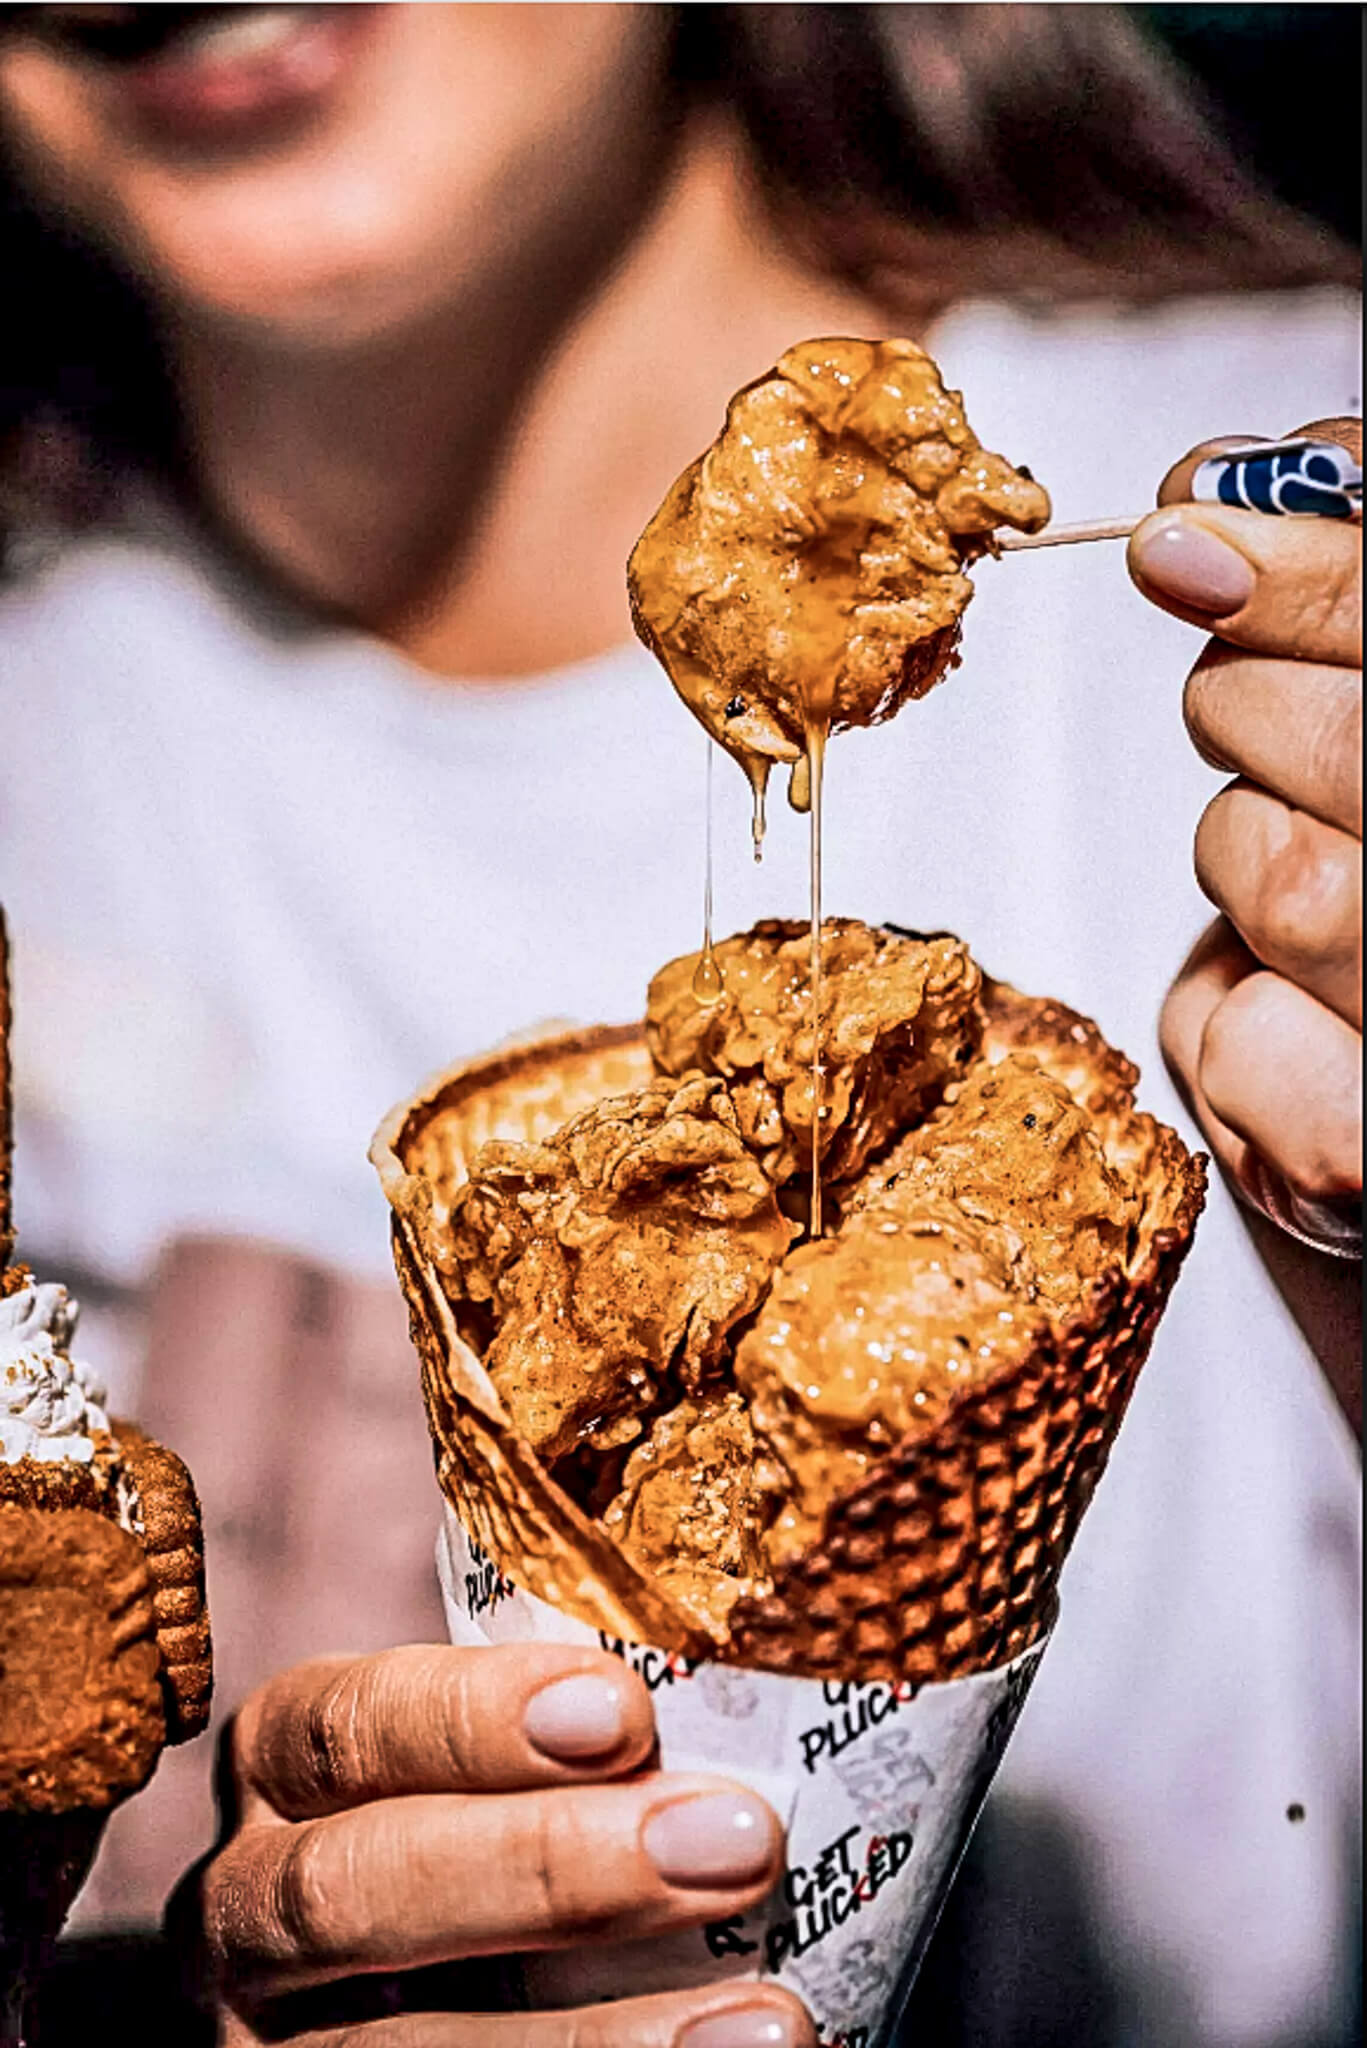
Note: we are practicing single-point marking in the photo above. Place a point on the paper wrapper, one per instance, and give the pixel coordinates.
(878, 1786)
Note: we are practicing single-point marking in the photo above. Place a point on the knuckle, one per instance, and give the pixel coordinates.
(1216, 835)
(1220, 1060)
(1301, 913)
(1321, 1150)
(1331, 606)
(1334, 746)
(304, 1903)
(465, 1731)
(1205, 706)
(583, 2031)
(1319, 1172)
(327, 1734)
(242, 1745)
(213, 1939)
(1172, 1034)
(562, 1872)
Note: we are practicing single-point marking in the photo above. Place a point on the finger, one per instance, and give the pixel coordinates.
(1293, 727)
(1217, 963)
(1284, 1074)
(1292, 887)
(1288, 587)
(1176, 486)
(406, 1882)
(428, 1718)
(744, 2016)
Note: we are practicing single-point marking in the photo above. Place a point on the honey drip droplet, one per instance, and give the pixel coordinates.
(708, 986)
(815, 762)
(757, 769)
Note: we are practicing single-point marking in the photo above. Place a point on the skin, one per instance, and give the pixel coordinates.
(387, 389)
(367, 1792)
(1263, 1025)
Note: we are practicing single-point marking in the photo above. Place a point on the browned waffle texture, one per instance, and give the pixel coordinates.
(946, 1558)
(173, 1543)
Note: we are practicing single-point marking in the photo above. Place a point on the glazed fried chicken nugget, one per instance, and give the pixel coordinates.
(692, 1505)
(868, 1336)
(811, 563)
(899, 1018)
(983, 1225)
(1015, 1146)
(623, 1248)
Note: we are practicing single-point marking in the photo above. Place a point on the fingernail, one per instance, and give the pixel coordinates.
(747, 2027)
(578, 1717)
(718, 1839)
(1333, 1226)
(1193, 565)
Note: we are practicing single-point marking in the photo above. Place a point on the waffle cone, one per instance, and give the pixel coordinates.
(943, 1560)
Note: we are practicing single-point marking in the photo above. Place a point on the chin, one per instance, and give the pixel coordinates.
(329, 299)
(310, 256)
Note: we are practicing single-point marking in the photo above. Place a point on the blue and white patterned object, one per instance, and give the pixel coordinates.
(1315, 478)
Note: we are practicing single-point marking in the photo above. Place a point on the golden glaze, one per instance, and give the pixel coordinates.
(1014, 1147)
(899, 1016)
(867, 1338)
(691, 1505)
(808, 570)
(622, 1248)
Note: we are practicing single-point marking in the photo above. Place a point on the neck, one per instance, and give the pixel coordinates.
(471, 493)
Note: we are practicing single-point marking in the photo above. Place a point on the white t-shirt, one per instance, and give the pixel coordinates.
(262, 876)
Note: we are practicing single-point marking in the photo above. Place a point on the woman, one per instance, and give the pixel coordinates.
(328, 763)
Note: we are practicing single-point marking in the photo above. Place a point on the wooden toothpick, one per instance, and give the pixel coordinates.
(1065, 536)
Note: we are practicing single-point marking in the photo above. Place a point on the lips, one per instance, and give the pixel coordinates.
(209, 73)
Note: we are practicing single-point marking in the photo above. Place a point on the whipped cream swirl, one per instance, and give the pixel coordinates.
(51, 1406)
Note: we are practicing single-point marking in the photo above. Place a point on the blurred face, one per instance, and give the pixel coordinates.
(324, 175)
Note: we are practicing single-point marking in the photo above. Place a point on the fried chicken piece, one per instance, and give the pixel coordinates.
(1015, 1147)
(622, 1249)
(899, 1017)
(986, 1222)
(868, 1336)
(808, 570)
(692, 1505)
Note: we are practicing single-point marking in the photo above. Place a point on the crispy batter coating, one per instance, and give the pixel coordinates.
(987, 1220)
(866, 1339)
(809, 568)
(899, 1017)
(1015, 1147)
(692, 1506)
(623, 1248)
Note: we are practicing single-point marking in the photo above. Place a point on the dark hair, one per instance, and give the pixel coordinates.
(1056, 151)
(921, 152)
